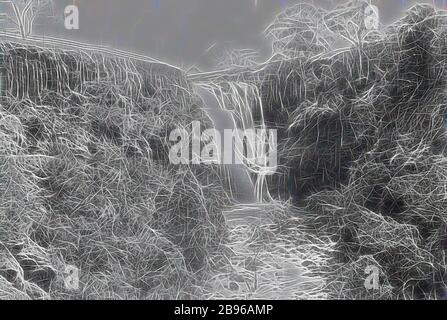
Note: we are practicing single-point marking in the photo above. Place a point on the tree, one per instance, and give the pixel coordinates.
(23, 13)
(306, 30)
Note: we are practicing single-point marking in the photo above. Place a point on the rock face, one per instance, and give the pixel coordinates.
(360, 144)
(30, 69)
(86, 180)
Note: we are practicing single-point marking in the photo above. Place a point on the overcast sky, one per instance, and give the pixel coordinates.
(180, 31)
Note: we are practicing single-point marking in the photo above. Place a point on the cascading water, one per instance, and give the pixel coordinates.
(242, 186)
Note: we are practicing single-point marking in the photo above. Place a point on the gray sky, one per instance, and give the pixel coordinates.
(180, 31)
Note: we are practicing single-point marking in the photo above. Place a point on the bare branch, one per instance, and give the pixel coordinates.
(25, 15)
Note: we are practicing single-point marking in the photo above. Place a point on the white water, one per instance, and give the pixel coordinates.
(242, 186)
